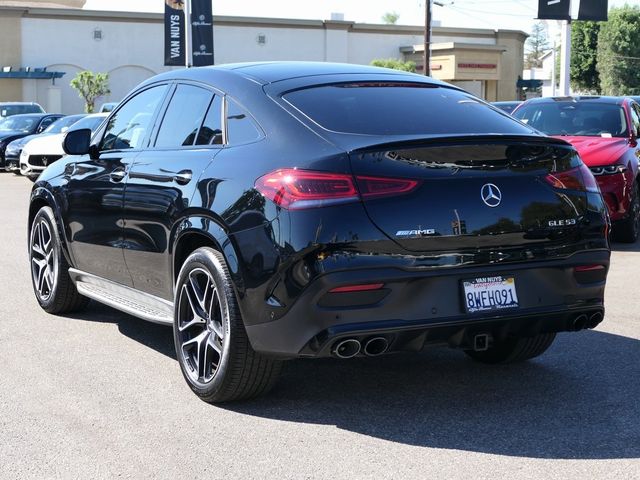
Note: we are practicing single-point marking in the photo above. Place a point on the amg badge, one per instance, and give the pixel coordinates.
(416, 233)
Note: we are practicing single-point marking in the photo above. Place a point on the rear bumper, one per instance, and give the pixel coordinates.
(426, 307)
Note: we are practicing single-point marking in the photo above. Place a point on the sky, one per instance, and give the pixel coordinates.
(502, 14)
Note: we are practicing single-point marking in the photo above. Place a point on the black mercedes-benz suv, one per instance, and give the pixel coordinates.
(277, 210)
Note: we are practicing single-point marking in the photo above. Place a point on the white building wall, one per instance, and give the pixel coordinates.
(240, 44)
(128, 54)
(364, 46)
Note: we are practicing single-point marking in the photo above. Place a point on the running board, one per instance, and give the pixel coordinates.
(126, 299)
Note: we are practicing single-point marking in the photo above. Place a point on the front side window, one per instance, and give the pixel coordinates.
(184, 116)
(635, 118)
(128, 127)
(46, 122)
(584, 118)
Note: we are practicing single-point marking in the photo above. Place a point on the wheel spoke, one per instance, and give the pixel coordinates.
(41, 280)
(213, 343)
(196, 290)
(36, 244)
(48, 278)
(194, 303)
(215, 315)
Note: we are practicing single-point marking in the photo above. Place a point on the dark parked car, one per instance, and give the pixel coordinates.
(7, 109)
(18, 126)
(605, 131)
(507, 107)
(14, 149)
(285, 210)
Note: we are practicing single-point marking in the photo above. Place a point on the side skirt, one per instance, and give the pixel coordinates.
(126, 299)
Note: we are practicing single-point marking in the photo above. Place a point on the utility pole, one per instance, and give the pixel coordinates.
(426, 55)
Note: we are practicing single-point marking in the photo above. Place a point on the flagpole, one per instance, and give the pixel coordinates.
(188, 54)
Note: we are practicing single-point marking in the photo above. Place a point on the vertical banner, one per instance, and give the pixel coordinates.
(554, 9)
(174, 26)
(202, 32)
(596, 10)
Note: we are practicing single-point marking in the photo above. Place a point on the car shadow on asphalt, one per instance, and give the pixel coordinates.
(581, 400)
(153, 335)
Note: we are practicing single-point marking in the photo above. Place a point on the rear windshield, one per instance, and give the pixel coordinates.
(8, 110)
(588, 119)
(400, 109)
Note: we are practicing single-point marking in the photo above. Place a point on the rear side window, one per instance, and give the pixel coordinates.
(128, 127)
(184, 116)
(240, 126)
(211, 131)
(387, 108)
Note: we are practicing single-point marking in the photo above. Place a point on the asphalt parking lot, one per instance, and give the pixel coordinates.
(100, 395)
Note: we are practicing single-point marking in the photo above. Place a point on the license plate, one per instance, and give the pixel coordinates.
(490, 293)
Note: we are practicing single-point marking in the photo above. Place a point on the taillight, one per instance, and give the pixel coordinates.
(374, 186)
(299, 189)
(578, 178)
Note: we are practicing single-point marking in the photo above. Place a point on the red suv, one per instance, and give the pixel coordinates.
(605, 132)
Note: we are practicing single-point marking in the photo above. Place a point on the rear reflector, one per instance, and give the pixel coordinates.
(299, 189)
(579, 178)
(357, 288)
(590, 273)
(588, 268)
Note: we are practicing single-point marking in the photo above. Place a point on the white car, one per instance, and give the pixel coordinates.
(41, 152)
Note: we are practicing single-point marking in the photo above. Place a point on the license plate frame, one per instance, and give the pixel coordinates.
(490, 293)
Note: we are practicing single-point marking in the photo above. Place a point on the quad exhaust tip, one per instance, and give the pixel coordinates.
(595, 319)
(580, 322)
(376, 346)
(348, 348)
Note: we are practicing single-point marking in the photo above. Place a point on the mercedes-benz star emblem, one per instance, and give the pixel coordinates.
(491, 195)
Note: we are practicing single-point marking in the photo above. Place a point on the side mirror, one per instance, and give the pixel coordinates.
(77, 142)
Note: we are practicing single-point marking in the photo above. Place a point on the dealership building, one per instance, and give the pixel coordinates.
(44, 44)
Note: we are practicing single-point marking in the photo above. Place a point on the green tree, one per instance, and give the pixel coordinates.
(394, 64)
(619, 52)
(584, 57)
(537, 45)
(391, 18)
(90, 86)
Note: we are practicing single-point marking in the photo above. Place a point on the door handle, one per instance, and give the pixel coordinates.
(183, 177)
(118, 175)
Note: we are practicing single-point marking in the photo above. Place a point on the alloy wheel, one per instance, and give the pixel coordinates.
(200, 326)
(44, 260)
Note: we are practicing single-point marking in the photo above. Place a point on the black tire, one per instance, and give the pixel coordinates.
(513, 350)
(50, 278)
(628, 230)
(200, 319)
